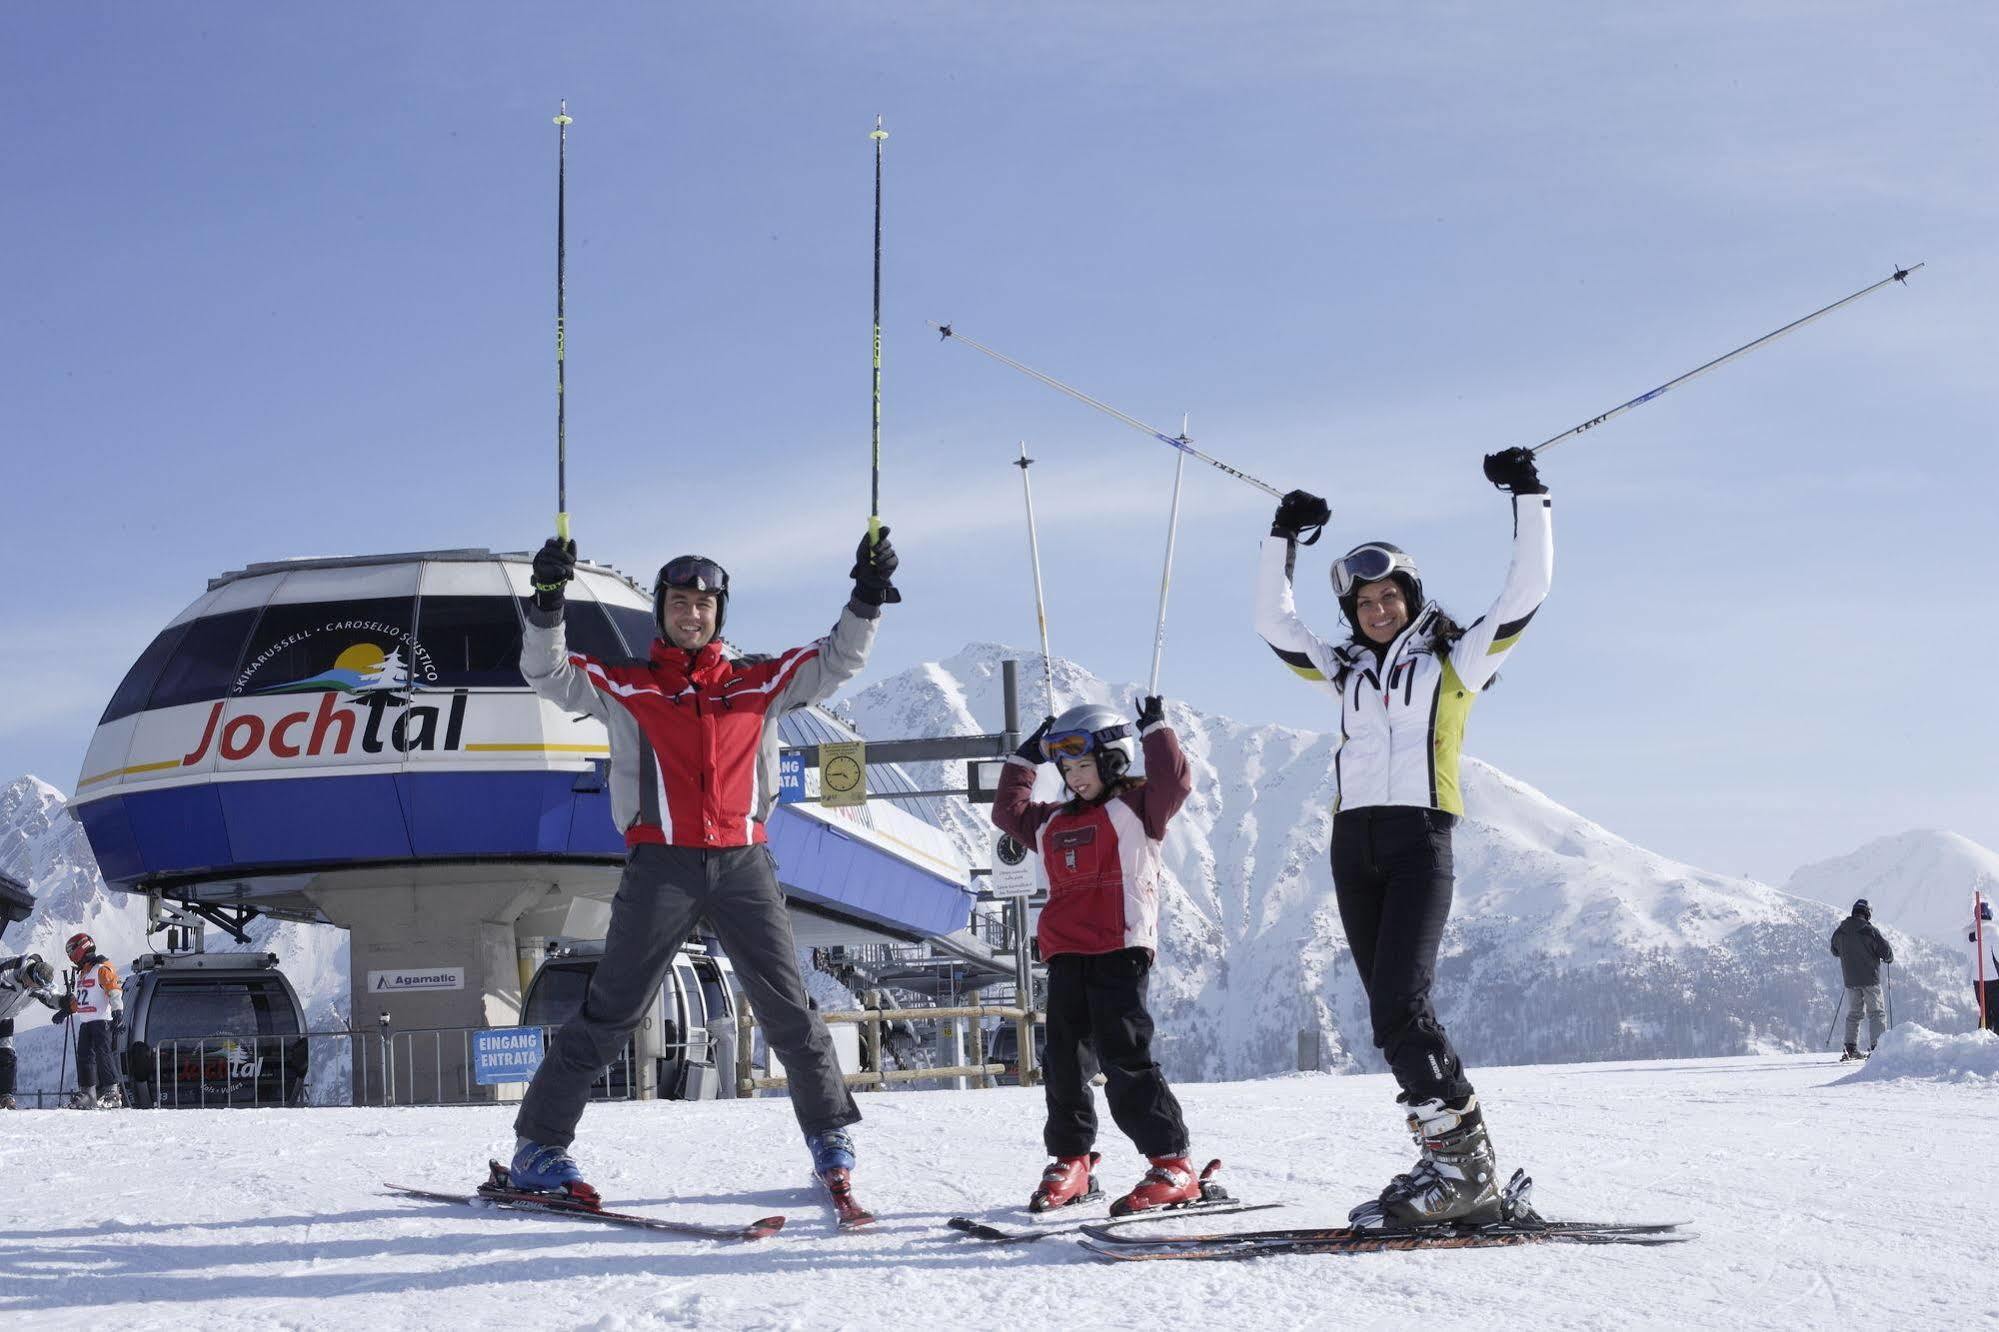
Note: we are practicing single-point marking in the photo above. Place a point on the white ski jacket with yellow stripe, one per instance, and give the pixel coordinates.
(1402, 715)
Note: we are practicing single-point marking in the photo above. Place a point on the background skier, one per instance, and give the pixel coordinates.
(1406, 678)
(98, 1004)
(1984, 966)
(1861, 949)
(1097, 935)
(694, 745)
(21, 979)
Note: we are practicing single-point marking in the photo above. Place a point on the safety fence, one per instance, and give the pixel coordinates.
(958, 1026)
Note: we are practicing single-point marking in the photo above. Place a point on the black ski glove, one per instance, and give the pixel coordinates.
(1030, 748)
(65, 1005)
(554, 565)
(1512, 470)
(1298, 511)
(1152, 711)
(874, 567)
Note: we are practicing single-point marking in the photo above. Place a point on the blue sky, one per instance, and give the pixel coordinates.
(282, 285)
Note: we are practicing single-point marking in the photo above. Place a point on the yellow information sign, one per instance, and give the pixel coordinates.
(843, 773)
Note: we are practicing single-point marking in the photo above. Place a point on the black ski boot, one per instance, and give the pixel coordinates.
(1456, 1180)
(1852, 1052)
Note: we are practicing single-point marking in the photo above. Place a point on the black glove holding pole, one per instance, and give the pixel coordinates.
(554, 565)
(1297, 512)
(1030, 748)
(1151, 712)
(65, 1005)
(1512, 470)
(874, 570)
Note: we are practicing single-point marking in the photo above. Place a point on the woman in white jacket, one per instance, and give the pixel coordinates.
(1405, 679)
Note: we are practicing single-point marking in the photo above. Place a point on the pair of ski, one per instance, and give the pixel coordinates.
(1522, 1225)
(498, 1191)
(1214, 1198)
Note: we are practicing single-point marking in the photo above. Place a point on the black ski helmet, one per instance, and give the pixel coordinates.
(1370, 562)
(39, 974)
(695, 572)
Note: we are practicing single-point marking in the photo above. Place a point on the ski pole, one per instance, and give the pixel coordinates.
(1034, 555)
(1888, 983)
(875, 464)
(1166, 572)
(562, 124)
(1182, 443)
(1978, 957)
(1899, 275)
(1837, 1004)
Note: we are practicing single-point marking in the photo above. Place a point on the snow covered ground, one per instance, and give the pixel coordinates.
(1822, 1199)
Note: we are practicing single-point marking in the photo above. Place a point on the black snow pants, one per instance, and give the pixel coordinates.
(6, 1056)
(1392, 876)
(1097, 1019)
(664, 891)
(1991, 989)
(94, 1069)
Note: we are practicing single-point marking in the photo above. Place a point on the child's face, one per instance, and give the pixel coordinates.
(1082, 776)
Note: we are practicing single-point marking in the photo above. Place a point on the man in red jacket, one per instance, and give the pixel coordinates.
(1097, 933)
(694, 746)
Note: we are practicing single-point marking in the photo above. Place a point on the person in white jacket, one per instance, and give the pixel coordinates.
(1984, 943)
(1405, 678)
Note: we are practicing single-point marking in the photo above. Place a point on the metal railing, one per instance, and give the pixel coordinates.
(966, 1022)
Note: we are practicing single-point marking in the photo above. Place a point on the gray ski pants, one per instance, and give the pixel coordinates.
(664, 891)
(1869, 997)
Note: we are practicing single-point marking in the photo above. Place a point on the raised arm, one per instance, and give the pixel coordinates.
(1476, 656)
(813, 673)
(1168, 779)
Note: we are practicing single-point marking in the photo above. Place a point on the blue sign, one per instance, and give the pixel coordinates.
(790, 778)
(505, 1054)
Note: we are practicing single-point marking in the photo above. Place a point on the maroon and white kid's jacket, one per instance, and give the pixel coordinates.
(694, 734)
(1102, 860)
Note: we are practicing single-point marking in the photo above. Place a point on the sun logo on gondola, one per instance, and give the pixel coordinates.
(361, 669)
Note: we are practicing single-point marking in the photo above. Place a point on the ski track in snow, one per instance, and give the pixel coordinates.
(1815, 1204)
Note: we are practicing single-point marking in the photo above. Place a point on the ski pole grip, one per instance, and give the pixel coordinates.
(562, 525)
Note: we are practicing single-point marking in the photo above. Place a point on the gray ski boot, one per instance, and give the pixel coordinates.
(1455, 1182)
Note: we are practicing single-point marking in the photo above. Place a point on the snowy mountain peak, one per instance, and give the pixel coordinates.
(1920, 881)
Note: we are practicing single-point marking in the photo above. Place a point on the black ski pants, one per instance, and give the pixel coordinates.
(1097, 1019)
(6, 1056)
(1392, 877)
(1991, 989)
(94, 1069)
(664, 891)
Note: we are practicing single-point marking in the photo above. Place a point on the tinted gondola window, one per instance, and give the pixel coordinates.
(557, 996)
(472, 641)
(637, 626)
(350, 646)
(204, 664)
(588, 630)
(138, 683)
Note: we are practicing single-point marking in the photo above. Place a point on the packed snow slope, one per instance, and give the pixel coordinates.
(1816, 1204)
(1566, 942)
(1919, 881)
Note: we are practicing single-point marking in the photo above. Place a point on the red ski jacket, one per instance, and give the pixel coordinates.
(1101, 861)
(694, 735)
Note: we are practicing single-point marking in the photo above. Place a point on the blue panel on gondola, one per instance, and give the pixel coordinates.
(179, 829)
(315, 819)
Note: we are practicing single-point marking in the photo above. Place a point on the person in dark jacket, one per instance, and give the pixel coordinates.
(1861, 950)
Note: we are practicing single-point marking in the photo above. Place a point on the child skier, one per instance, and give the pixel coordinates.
(98, 1002)
(1097, 933)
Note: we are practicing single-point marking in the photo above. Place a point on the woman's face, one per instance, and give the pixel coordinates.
(1382, 610)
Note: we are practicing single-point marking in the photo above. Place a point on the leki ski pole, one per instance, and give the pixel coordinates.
(1180, 442)
(1899, 275)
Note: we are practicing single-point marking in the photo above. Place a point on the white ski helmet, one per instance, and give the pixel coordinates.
(1092, 728)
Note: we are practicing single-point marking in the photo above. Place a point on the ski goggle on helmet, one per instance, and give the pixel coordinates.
(1092, 729)
(696, 573)
(1371, 563)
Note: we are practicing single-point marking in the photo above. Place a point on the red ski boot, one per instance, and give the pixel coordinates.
(1170, 1182)
(1067, 1180)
